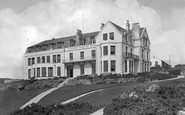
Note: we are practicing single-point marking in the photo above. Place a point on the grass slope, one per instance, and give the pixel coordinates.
(68, 92)
(10, 100)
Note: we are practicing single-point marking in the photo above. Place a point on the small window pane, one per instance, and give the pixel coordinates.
(105, 50)
(105, 66)
(111, 35)
(105, 36)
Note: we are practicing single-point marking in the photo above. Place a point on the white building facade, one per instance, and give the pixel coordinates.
(110, 50)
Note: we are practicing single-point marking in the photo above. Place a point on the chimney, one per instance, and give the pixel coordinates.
(128, 25)
(102, 25)
(78, 37)
(136, 30)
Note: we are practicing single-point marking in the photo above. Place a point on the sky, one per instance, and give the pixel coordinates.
(27, 22)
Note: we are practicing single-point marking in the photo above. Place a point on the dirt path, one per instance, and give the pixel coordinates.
(42, 95)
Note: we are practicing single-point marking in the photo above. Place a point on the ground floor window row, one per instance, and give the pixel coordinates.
(44, 72)
(51, 71)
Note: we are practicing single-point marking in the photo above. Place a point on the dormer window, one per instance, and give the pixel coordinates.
(111, 35)
(105, 36)
(59, 45)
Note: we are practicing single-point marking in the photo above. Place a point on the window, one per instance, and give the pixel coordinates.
(126, 37)
(156, 63)
(93, 68)
(72, 43)
(126, 51)
(113, 50)
(43, 71)
(130, 66)
(105, 63)
(33, 60)
(38, 59)
(93, 53)
(145, 41)
(113, 65)
(29, 73)
(125, 65)
(50, 71)
(82, 69)
(105, 50)
(33, 72)
(142, 53)
(82, 55)
(105, 36)
(71, 56)
(59, 45)
(111, 35)
(101, 51)
(131, 51)
(54, 59)
(147, 56)
(58, 71)
(29, 61)
(43, 59)
(38, 72)
(52, 46)
(101, 67)
(58, 58)
(48, 59)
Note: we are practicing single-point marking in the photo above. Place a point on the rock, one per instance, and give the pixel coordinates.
(20, 87)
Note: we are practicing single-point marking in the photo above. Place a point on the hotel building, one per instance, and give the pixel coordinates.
(113, 49)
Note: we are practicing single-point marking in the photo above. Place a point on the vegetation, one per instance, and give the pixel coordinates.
(165, 100)
(68, 109)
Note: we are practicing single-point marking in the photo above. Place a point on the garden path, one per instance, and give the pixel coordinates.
(42, 95)
(75, 98)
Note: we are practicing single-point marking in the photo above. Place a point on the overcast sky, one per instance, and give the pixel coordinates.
(26, 22)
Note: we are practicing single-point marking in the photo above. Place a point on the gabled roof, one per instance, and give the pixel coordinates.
(64, 39)
(118, 27)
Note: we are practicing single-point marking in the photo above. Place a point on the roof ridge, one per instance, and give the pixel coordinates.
(63, 39)
(117, 26)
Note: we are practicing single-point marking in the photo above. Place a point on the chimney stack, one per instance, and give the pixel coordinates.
(102, 25)
(136, 30)
(78, 37)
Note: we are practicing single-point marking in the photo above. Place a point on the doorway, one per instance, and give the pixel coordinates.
(70, 71)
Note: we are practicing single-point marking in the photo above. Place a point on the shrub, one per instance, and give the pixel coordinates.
(175, 72)
(163, 100)
(74, 108)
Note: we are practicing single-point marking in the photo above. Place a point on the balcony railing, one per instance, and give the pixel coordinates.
(79, 59)
(129, 55)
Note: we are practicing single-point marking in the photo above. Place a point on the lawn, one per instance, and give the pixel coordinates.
(105, 97)
(10, 100)
(68, 92)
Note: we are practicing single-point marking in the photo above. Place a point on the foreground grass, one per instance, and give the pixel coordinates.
(64, 93)
(10, 100)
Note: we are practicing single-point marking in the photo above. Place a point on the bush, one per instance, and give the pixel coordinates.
(175, 72)
(74, 108)
(163, 100)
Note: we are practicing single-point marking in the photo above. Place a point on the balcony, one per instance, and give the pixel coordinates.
(78, 60)
(132, 56)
